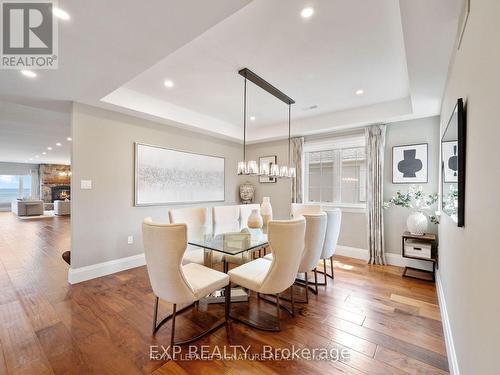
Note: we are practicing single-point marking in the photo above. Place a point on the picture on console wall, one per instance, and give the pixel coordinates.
(450, 160)
(409, 164)
(164, 176)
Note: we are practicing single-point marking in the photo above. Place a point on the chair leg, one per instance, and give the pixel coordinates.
(324, 269)
(175, 312)
(316, 281)
(331, 266)
(155, 314)
(227, 304)
(278, 311)
(307, 287)
(292, 300)
(173, 326)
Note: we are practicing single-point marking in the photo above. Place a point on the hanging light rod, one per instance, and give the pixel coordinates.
(250, 167)
(264, 85)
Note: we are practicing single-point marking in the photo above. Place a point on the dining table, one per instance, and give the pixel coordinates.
(231, 243)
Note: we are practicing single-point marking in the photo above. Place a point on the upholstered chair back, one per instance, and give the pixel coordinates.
(196, 219)
(314, 240)
(226, 219)
(245, 211)
(334, 219)
(164, 246)
(301, 209)
(286, 239)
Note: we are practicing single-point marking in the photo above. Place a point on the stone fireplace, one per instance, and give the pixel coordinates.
(60, 192)
(55, 180)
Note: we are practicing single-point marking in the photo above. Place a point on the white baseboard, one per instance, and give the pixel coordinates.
(448, 336)
(77, 275)
(391, 258)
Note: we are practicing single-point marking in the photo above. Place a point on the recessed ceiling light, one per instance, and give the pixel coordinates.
(37, 156)
(44, 153)
(31, 158)
(28, 73)
(49, 148)
(59, 13)
(69, 139)
(168, 83)
(252, 118)
(360, 92)
(307, 12)
(58, 144)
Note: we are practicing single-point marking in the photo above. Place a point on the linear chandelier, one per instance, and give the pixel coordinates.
(250, 167)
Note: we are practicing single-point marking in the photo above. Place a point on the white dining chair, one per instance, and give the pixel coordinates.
(313, 246)
(286, 239)
(334, 219)
(298, 209)
(196, 219)
(226, 219)
(164, 247)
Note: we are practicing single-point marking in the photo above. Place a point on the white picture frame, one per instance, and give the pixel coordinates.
(410, 164)
(164, 176)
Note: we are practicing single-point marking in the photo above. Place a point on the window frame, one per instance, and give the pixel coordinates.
(333, 143)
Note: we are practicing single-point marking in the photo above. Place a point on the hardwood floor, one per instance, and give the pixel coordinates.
(388, 324)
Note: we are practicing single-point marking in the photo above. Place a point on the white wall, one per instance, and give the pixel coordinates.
(469, 257)
(103, 151)
(425, 130)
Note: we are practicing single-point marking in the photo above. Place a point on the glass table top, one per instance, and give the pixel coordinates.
(231, 243)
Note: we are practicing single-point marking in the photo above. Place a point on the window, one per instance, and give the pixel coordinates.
(335, 172)
(12, 187)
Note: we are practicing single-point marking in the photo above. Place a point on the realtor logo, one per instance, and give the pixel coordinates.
(29, 35)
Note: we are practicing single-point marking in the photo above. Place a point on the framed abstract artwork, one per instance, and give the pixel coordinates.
(409, 164)
(270, 161)
(164, 176)
(450, 160)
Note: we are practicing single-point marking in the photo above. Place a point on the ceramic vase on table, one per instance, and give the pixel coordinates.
(417, 223)
(266, 210)
(255, 220)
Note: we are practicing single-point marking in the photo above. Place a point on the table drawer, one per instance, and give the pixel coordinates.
(417, 249)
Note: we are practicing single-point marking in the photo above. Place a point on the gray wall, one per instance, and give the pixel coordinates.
(425, 130)
(469, 257)
(103, 151)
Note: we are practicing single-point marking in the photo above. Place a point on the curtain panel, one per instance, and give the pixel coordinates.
(297, 154)
(375, 149)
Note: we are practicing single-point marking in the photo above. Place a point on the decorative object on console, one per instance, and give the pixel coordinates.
(247, 192)
(266, 210)
(255, 221)
(420, 204)
(164, 176)
(266, 164)
(409, 164)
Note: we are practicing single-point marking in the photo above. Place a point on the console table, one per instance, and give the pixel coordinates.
(427, 238)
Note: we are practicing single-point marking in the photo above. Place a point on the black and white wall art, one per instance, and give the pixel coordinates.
(409, 164)
(164, 176)
(450, 161)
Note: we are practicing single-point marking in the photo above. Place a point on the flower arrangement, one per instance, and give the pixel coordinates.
(416, 200)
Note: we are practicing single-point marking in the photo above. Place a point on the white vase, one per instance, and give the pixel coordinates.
(417, 223)
(255, 220)
(266, 210)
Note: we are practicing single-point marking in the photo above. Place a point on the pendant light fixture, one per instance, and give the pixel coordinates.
(246, 167)
(251, 167)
